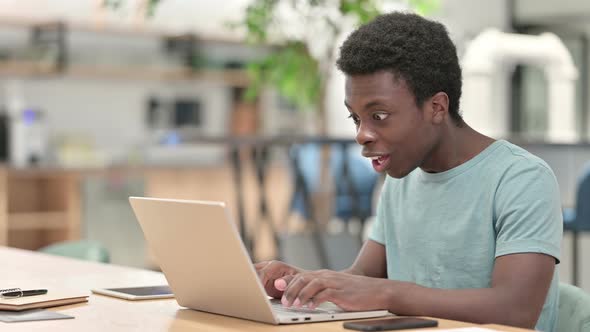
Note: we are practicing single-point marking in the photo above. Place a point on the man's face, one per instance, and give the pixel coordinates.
(395, 133)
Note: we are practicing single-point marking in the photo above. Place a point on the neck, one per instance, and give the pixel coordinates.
(456, 146)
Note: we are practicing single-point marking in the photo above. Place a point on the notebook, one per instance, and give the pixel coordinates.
(207, 267)
(53, 298)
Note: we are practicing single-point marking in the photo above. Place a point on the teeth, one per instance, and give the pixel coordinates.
(375, 158)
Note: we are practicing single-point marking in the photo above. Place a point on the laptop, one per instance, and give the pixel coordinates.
(200, 251)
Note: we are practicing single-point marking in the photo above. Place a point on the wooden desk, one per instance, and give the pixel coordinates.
(103, 313)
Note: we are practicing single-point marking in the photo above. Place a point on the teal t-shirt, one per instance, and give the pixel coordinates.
(444, 230)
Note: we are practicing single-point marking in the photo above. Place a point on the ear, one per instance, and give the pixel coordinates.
(440, 107)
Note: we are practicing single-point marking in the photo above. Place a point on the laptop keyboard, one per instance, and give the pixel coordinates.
(322, 309)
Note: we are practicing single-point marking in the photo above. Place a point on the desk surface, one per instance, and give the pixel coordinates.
(103, 313)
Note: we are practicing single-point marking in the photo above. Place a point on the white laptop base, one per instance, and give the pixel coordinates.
(207, 267)
(324, 312)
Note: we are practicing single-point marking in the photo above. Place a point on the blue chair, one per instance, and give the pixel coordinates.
(354, 178)
(82, 249)
(306, 173)
(354, 191)
(578, 219)
(574, 309)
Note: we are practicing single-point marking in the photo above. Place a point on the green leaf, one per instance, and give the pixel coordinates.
(292, 71)
(259, 16)
(151, 9)
(363, 10)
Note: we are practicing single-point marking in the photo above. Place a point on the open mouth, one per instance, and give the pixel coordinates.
(380, 163)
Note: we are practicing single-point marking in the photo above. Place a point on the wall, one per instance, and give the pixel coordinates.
(571, 11)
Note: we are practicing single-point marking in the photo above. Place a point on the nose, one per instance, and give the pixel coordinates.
(364, 135)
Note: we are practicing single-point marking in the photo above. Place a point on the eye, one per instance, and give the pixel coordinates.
(380, 116)
(354, 118)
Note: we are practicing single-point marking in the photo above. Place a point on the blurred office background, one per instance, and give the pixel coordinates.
(104, 99)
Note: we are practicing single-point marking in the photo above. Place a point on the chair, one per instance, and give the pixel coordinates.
(83, 249)
(354, 179)
(355, 184)
(578, 220)
(574, 309)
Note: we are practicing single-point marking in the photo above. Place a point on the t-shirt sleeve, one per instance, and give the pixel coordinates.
(528, 211)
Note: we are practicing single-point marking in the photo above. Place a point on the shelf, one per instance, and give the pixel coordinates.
(233, 77)
(26, 68)
(55, 33)
(37, 220)
(116, 29)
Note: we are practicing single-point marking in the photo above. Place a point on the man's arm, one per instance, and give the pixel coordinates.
(370, 261)
(520, 283)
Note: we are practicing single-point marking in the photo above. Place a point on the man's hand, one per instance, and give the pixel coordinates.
(349, 292)
(271, 275)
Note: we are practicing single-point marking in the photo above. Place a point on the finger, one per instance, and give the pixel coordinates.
(265, 273)
(309, 292)
(328, 294)
(266, 278)
(293, 289)
(282, 283)
(261, 265)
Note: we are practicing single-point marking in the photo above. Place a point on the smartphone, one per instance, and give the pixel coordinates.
(399, 323)
(137, 293)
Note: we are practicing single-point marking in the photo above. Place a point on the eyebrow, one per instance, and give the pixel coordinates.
(367, 105)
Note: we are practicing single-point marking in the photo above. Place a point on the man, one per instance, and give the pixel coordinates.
(468, 228)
